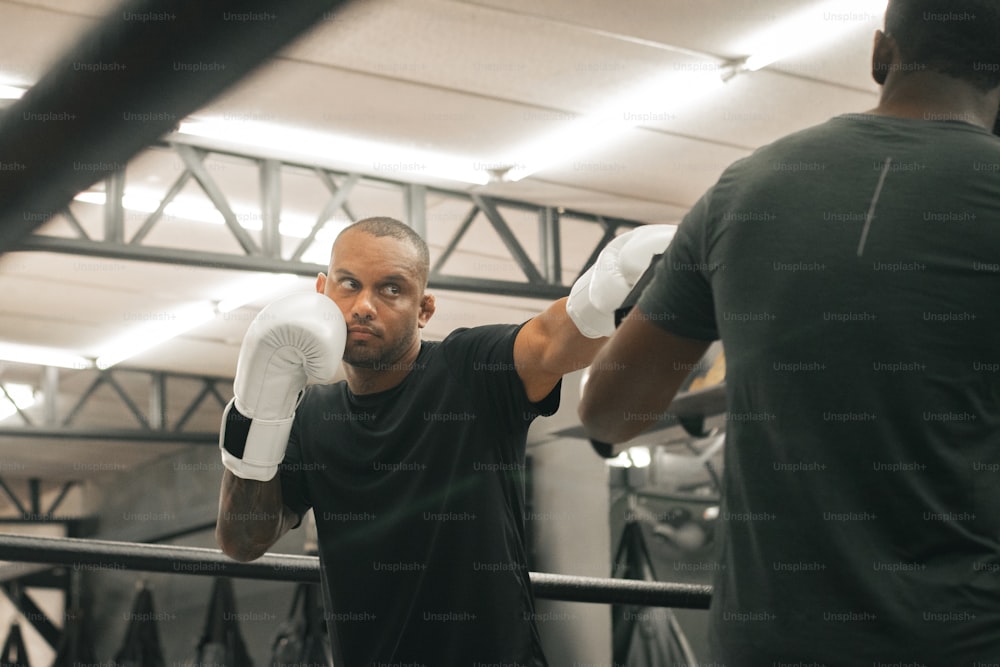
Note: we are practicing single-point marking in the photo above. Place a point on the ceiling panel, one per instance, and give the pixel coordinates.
(32, 37)
(495, 54)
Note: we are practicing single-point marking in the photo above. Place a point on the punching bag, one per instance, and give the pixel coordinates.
(302, 638)
(141, 647)
(221, 643)
(76, 646)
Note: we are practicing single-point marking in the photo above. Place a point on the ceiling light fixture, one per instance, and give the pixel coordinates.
(689, 84)
(372, 157)
(808, 28)
(653, 101)
(42, 356)
(160, 327)
(8, 92)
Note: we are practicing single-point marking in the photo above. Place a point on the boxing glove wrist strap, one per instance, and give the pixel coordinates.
(253, 449)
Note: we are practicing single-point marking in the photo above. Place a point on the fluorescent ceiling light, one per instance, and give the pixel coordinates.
(8, 92)
(663, 96)
(652, 101)
(373, 157)
(809, 28)
(42, 356)
(160, 328)
(22, 394)
(164, 326)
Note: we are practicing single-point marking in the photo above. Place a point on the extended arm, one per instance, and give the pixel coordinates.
(570, 332)
(634, 378)
(549, 346)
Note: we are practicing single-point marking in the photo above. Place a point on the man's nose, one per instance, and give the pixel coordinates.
(363, 307)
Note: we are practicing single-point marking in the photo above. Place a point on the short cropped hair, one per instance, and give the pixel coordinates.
(391, 227)
(959, 38)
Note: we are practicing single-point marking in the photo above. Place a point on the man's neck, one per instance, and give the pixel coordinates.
(382, 378)
(934, 96)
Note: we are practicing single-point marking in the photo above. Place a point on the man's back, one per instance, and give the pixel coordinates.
(855, 277)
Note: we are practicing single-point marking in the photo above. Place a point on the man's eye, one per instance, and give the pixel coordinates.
(392, 289)
(349, 283)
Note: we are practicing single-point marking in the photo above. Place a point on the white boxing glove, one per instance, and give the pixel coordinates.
(295, 340)
(603, 287)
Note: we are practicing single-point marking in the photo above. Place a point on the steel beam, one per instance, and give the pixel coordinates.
(13, 498)
(154, 427)
(114, 208)
(59, 498)
(416, 208)
(550, 243)
(194, 161)
(155, 216)
(264, 264)
(334, 204)
(74, 222)
(270, 208)
(158, 401)
(31, 611)
(455, 240)
(50, 392)
(543, 281)
(20, 413)
(503, 230)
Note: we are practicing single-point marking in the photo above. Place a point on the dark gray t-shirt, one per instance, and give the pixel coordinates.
(852, 272)
(418, 494)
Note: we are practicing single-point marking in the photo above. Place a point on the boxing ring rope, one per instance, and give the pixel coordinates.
(101, 555)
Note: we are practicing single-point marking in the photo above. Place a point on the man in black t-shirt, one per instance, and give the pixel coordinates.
(414, 466)
(851, 272)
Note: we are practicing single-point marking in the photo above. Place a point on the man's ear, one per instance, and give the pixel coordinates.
(884, 55)
(427, 308)
(321, 283)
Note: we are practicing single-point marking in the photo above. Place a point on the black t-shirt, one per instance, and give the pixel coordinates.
(418, 494)
(851, 271)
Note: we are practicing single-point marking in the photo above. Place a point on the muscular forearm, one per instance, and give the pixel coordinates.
(252, 517)
(550, 346)
(568, 350)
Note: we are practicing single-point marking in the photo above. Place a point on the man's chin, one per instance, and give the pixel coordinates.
(360, 361)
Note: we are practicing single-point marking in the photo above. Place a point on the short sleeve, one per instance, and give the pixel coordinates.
(679, 298)
(483, 357)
